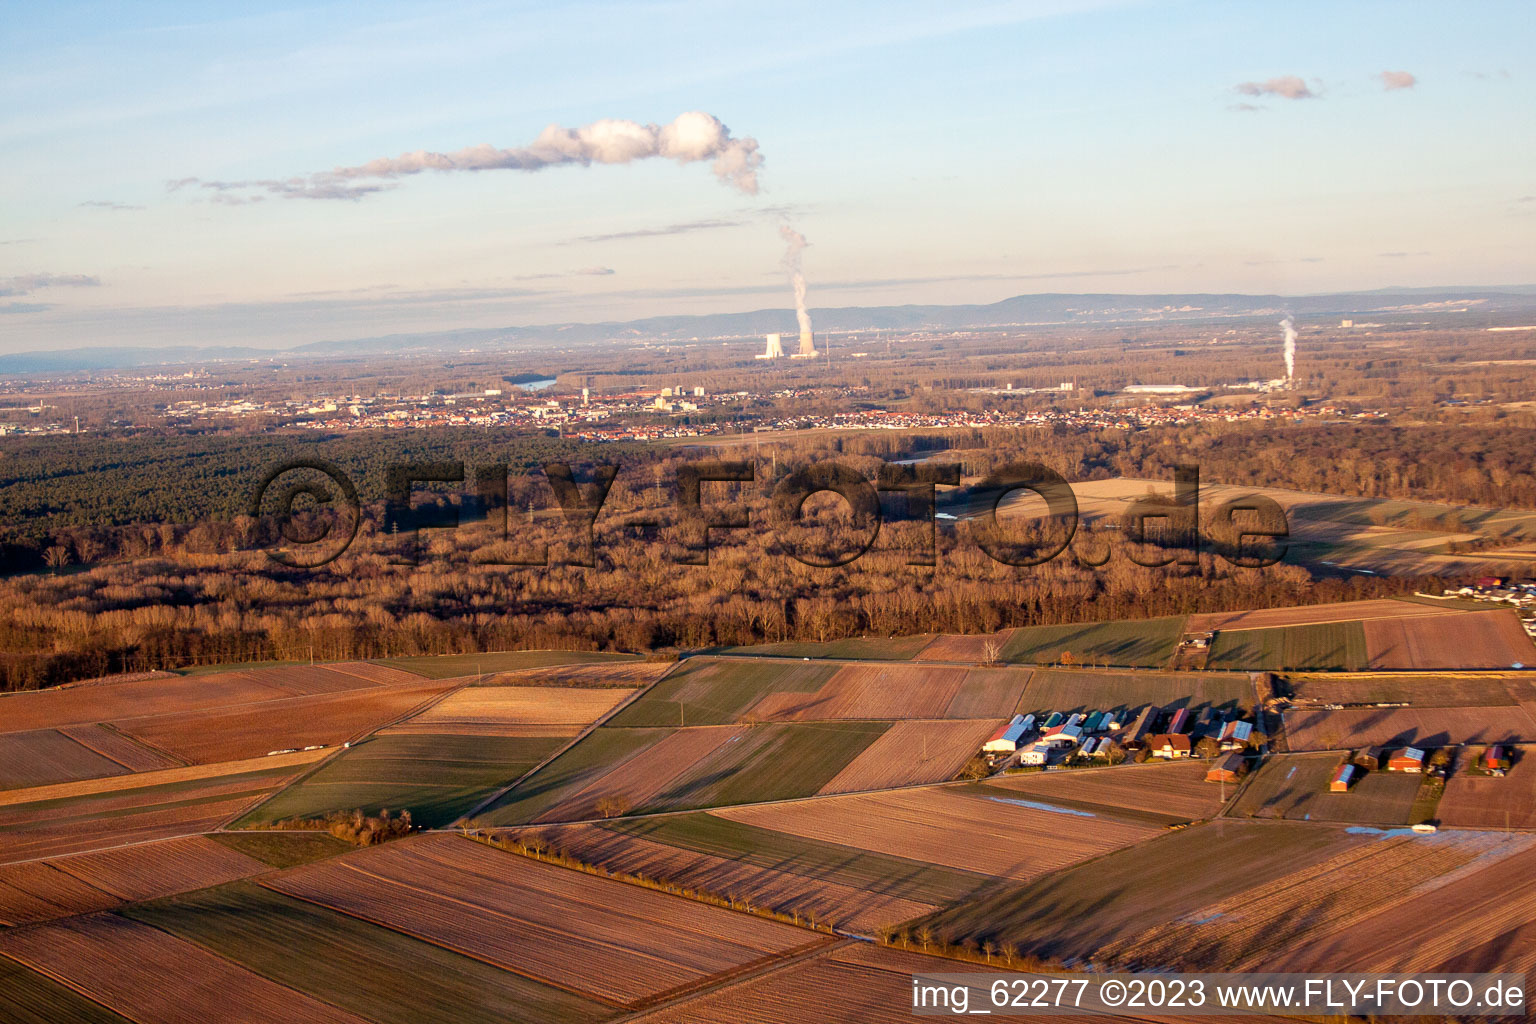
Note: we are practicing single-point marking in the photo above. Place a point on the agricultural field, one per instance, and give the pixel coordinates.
(870, 984)
(911, 753)
(1006, 834)
(1164, 794)
(355, 965)
(971, 649)
(860, 648)
(233, 733)
(448, 666)
(1078, 689)
(283, 849)
(623, 675)
(1489, 931)
(125, 750)
(42, 756)
(1469, 640)
(436, 777)
(151, 977)
(658, 769)
(827, 882)
(1313, 614)
(1485, 801)
(1322, 729)
(1435, 690)
(53, 821)
(1286, 924)
(1338, 646)
(1072, 913)
(1144, 643)
(510, 709)
(33, 998)
(716, 691)
(1295, 786)
(866, 692)
(620, 944)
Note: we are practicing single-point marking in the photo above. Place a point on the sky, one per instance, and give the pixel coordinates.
(929, 153)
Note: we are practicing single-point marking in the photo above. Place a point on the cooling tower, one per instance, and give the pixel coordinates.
(807, 344)
(775, 349)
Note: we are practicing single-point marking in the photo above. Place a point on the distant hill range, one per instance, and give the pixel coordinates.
(1021, 311)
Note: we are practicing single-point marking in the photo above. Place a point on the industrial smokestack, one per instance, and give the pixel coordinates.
(1290, 348)
(791, 264)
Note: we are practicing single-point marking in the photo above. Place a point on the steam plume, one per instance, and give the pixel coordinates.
(1290, 347)
(692, 137)
(791, 265)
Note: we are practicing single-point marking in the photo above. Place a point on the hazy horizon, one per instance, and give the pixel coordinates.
(304, 174)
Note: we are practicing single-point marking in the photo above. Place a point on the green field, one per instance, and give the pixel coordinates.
(1145, 643)
(1069, 690)
(867, 648)
(706, 691)
(588, 760)
(827, 862)
(1076, 911)
(1324, 646)
(450, 666)
(283, 849)
(778, 761)
(377, 973)
(28, 997)
(1295, 786)
(435, 777)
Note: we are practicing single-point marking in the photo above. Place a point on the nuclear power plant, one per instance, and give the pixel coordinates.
(775, 348)
(807, 346)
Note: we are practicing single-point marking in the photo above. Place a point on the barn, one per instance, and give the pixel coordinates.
(1343, 777)
(1495, 760)
(1006, 739)
(1179, 720)
(1409, 759)
(1141, 726)
(1228, 769)
(1370, 758)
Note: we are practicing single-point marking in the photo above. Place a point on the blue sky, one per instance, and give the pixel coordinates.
(930, 153)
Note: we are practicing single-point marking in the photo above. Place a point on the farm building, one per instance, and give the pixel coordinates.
(1094, 722)
(1370, 758)
(1006, 739)
(1072, 734)
(1169, 745)
(1141, 726)
(1495, 760)
(1409, 759)
(1179, 720)
(1076, 719)
(1234, 735)
(1029, 723)
(1052, 720)
(1228, 769)
(1040, 753)
(1343, 776)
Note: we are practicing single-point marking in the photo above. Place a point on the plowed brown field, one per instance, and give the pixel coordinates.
(129, 753)
(820, 899)
(1473, 801)
(38, 891)
(514, 706)
(867, 692)
(1470, 640)
(1344, 611)
(1311, 729)
(617, 942)
(950, 826)
(152, 978)
(911, 753)
(44, 756)
(1178, 790)
(152, 870)
(230, 734)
